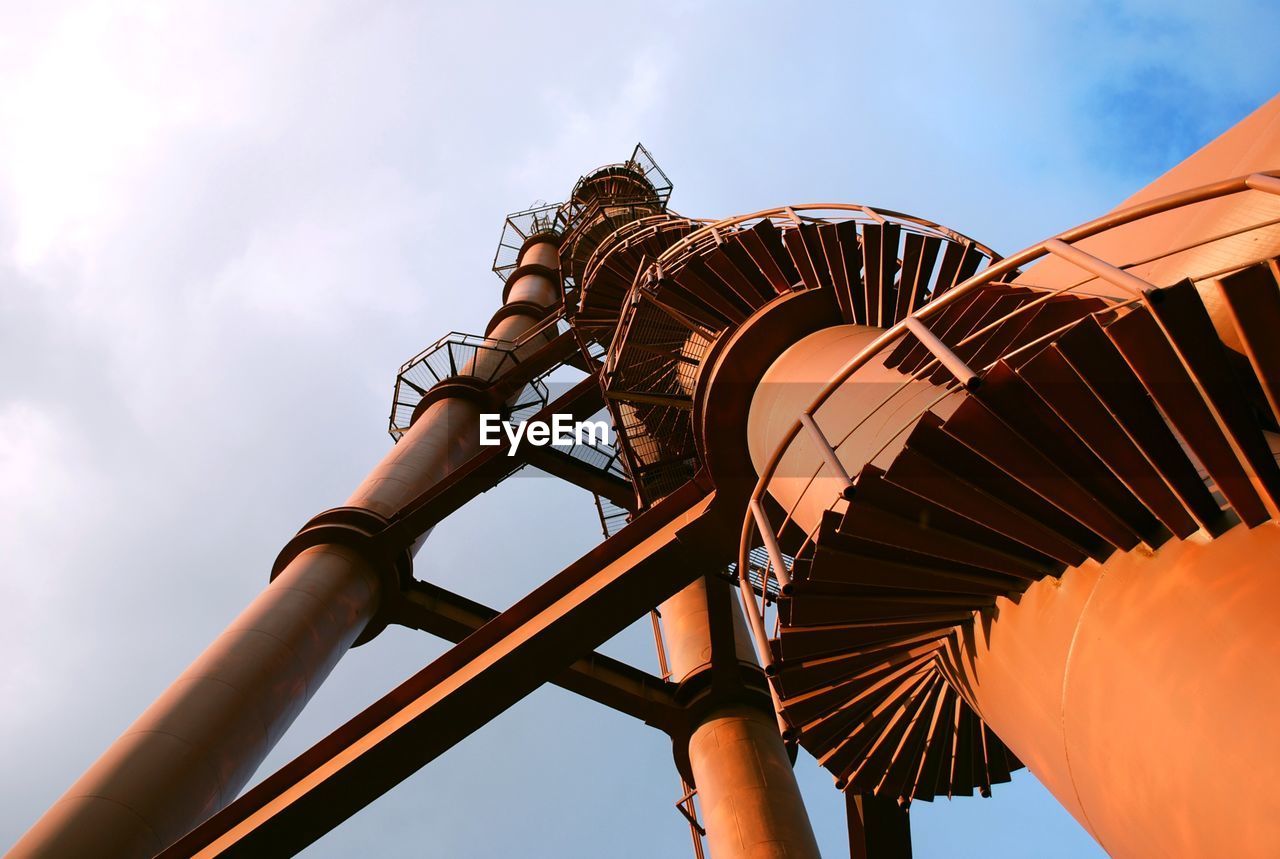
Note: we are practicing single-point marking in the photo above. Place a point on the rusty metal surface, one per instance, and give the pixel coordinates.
(1125, 684)
(878, 828)
(506, 659)
(1034, 423)
(1026, 564)
(601, 678)
(193, 750)
(751, 804)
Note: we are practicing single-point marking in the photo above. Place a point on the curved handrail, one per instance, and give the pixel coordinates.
(792, 213)
(705, 236)
(1060, 245)
(623, 235)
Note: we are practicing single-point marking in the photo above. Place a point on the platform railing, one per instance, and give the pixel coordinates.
(542, 219)
(1131, 289)
(713, 232)
(633, 233)
(482, 358)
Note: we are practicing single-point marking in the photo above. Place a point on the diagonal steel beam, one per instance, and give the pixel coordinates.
(569, 468)
(879, 828)
(559, 350)
(601, 678)
(525, 646)
(482, 471)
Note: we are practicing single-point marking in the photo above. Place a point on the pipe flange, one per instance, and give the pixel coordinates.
(531, 309)
(548, 236)
(702, 691)
(531, 268)
(471, 388)
(360, 530)
(699, 697)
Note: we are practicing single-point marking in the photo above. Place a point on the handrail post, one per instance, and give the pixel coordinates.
(828, 452)
(771, 545)
(958, 368)
(1101, 268)
(1263, 182)
(755, 620)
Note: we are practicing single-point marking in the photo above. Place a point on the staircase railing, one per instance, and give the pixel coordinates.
(1130, 288)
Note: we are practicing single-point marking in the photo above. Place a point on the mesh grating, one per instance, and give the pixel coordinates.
(519, 227)
(612, 517)
(650, 374)
(757, 567)
(453, 356)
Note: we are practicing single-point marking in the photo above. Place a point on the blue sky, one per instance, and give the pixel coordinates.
(223, 227)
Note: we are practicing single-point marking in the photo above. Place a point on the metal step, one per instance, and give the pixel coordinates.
(1075, 404)
(1153, 360)
(1099, 364)
(1186, 323)
(1085, 436)
(1254, 302)
(1016, 403)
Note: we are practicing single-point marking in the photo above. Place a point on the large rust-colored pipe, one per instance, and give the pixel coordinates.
(751, 805)
(1142, 693)
(193, 750)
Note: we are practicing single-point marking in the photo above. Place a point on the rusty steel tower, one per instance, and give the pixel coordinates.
(930, 513)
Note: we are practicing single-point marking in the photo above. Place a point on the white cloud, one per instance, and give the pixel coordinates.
(99, 98)
(222, 228)
(49, 483)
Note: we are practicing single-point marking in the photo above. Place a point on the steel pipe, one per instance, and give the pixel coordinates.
(193, 750)
(828, 452)
(776, 561)
(955, 366)
(1125, 685)
(1135, 286)
(750, 801)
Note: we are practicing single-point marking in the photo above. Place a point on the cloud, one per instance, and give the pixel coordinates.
(223, 228)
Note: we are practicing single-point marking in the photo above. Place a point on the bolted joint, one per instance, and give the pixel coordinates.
(361, 531)
(707, 689)
(704, 708)
(700, 698)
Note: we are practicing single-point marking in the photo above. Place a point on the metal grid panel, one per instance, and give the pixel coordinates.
(518, 227)
(650, 378)
(762, 581)
(642, 162)
(612, 517)
(456, 355)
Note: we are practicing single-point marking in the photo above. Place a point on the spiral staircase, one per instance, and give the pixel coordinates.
(1071, 423)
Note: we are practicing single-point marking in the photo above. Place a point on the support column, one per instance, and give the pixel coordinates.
(879, 828)
(750, 802)
(193, 750)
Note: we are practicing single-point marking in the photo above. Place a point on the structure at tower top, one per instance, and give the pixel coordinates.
(607, 194)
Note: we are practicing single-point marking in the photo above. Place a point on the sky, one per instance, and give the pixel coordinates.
(223, 226)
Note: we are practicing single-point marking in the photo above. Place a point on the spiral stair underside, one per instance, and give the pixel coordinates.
(1095, 429)
(611, 270)
(693, 285)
